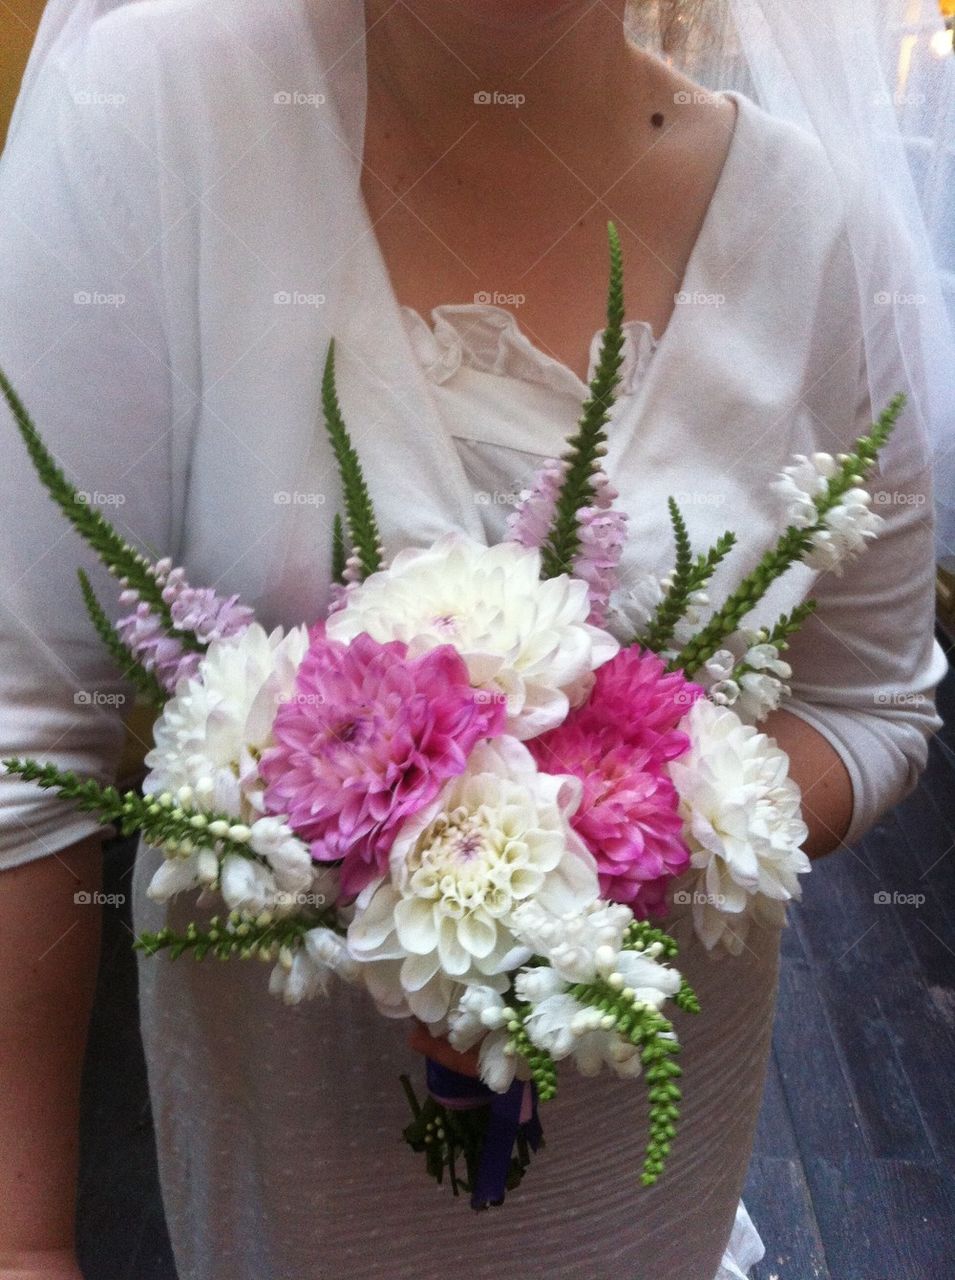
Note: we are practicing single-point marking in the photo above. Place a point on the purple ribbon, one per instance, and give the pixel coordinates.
(509, 1113)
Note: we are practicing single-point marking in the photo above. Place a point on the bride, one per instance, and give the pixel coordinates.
(196, 196)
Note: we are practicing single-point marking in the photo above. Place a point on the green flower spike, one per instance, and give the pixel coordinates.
(586, 449)
(363, 532)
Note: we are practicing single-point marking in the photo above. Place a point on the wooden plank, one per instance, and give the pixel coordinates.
(921, 1210)
(854, 1218)
(882, 1096)
(813, 1078)
(839, 921)
(775, 1138)
(921, 1027)
(779, 1203)
(925, 919)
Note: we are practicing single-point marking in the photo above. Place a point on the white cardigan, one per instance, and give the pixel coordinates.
(168, 393)
(152, 212)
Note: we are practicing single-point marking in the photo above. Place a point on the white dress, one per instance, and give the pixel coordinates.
(277, 1129)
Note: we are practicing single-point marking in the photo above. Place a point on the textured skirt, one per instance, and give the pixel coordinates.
(280, 1152)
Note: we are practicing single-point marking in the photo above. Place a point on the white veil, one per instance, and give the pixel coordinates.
(825, 66)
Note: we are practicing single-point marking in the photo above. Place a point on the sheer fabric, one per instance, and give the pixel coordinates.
(162, 268)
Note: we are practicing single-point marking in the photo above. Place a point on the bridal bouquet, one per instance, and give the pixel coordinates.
(473, 786)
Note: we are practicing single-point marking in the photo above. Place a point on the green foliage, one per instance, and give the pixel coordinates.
(543, 1069)
(115, 553)
(689, 576)
(786, 625)
(586, 448)
(159, 822)
(792, 545)
(653, 1034)
(147, 686)
(339, 550)
(448, 1137)
(244, 939)
(360, 517)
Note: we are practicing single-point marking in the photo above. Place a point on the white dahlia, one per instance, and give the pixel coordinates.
(211, 734)
(743, 821)
(523, 640)
(497, 835)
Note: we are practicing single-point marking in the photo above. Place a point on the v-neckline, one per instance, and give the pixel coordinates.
(711, 217)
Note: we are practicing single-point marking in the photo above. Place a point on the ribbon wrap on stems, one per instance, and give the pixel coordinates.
(510, 1115)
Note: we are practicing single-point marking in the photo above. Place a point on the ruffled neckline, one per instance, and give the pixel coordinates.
(488, 338)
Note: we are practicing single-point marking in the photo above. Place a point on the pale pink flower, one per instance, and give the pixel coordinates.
(601, 530)
(197, 610)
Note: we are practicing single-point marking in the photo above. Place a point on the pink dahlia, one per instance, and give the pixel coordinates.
(628, 817)
(367, 739)
(618, 743)
(640, 703)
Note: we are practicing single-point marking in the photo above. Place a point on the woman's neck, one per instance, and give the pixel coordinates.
(562, 70)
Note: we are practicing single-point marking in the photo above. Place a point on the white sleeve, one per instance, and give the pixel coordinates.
(866, 664)
(82, 340)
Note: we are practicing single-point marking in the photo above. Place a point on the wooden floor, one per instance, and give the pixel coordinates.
(853, 1175)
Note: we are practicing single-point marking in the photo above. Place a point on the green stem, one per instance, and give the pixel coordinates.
(160, 823)
(240, 938)
(586, 448)
(689, 576)
(339, 550)
(145, 682)
(792, 545)
(117, 555)
(362, 526)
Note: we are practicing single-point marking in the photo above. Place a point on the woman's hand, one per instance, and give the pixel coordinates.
(40, 1264)
(422, 1041)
